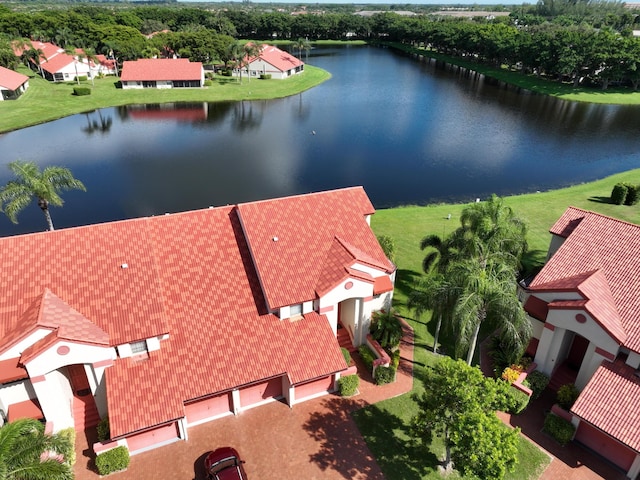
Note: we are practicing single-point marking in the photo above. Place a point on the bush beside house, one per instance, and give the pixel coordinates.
(560, 429)
(348, 385)
(113, 460)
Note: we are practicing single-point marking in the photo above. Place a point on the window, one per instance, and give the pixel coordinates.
(139, 347)
(295, 310)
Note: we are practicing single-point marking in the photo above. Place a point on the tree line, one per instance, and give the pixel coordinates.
(583, 42)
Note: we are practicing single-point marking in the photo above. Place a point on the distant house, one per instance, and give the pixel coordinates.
(584, 306)
(162, 73)
(12, 84)
(271, 61)
(167, 322)
(58, 66)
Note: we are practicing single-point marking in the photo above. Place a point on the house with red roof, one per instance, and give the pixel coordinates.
(162, 73)
(58, 66)
(584, 306)
(166, 322)
(12, 84)
(271, 61)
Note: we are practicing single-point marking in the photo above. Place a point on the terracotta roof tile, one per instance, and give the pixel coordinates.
(280, 59)
(591, 261)
(159, 69)
(11, 80)
(610, 402)
(305, 228)
(11, 370)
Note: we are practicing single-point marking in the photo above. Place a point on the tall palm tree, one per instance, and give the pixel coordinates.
(22, 445)
(302, 44)
(235, 54)
(251, 51)
(485, 293)
(88, 54)
(73, 51)
(30, 183)
(33, 56)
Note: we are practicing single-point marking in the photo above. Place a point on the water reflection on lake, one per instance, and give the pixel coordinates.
(411, 132)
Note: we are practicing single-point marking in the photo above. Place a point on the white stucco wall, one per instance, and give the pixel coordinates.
(16, 350)
(53, 358)
(633, 360)
(15, 393)
(56, 399)
(590, 329)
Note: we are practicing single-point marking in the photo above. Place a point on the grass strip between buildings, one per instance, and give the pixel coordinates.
(385, 425)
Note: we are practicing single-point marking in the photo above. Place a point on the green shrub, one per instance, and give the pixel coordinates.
(395, 359)
(384, 375)
(112, 460)
(560, 429)
(227, 73)
(503, 354)
(208, 83)
(82, 78)
(388, 246)
(104, 432)
(633, 195)
(567, 396)
(348, 385)
(537, 382)
(68, 450)
(265, 76)
(367, 356)
(619, 193)
(518, 401)
(386, 328)
(346, 355)
(80, 91)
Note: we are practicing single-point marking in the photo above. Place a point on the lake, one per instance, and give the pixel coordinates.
(409, 131)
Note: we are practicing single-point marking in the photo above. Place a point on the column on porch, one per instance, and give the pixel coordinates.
(56, 399)
(550, 347)
(95, 375)
(592, 360)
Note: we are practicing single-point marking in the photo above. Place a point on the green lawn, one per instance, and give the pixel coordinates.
(385, 425)
(45, 101)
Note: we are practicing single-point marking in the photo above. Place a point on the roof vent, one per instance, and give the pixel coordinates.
(124, 265)
(275, 239)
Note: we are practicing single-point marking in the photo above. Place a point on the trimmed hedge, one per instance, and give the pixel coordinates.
(348, 385)
(346, 355)
(384, 375)
(537, 382)
(82, 78)
(265, 76)
(567, 396)
(367, 356)
(81, 91)
(560, 429)
(633, 195)
(619, 193)
(113, 460)
(518, 401)
(104, 432)
(208, 83)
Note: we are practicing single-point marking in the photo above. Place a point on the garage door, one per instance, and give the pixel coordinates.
(315, 387)
(606, 446)
(208, 409)
(153, 438)
(255, 394)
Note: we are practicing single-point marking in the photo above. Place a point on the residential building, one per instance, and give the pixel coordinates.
(271, 61)
(584, 306)
(166, 322)
(162, 73)
(12, 84)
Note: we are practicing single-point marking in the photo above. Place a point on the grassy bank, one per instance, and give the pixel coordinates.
(617, 96)
(45, 101)
(385, 425)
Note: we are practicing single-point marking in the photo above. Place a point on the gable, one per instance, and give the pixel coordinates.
(11, 80)
(614, 292)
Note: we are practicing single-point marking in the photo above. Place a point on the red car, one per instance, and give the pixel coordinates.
(224, 464)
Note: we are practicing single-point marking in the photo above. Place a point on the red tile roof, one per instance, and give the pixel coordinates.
(11, 80)
(57, 63)
(610, 402)
(220, 335)
(191, 276)
(161, 69)
(596, 259)
(292, 238)
(280, 59)
(11, 370)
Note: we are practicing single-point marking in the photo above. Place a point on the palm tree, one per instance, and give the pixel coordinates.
(90, 55)
(250, 51)
(22, 445)
(73, 51)
(485, 292)
(235, 53)
(33, 56)
(302, 44)
(31, 182)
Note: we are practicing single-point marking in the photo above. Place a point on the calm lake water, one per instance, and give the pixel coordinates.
(409, 131)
